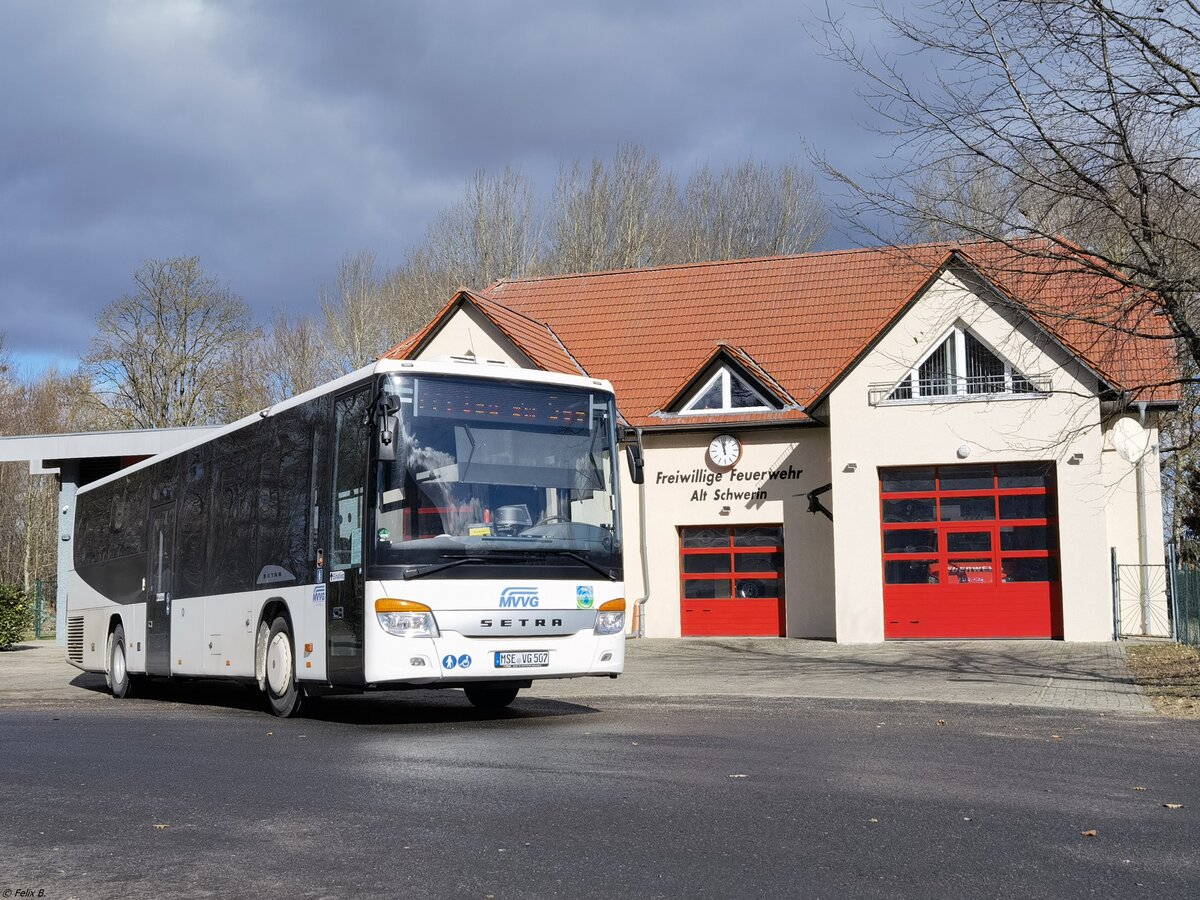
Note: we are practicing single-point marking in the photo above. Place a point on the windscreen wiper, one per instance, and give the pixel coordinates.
(411, 572)
(607, 573)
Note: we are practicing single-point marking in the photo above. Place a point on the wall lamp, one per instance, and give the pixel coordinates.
(1076, 459)
(850, 467)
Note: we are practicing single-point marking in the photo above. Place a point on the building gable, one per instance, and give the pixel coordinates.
(466, 332)
(959, 340)
(961, 365)
(727, 381)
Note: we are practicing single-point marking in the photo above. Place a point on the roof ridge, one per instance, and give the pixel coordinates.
(928, 245)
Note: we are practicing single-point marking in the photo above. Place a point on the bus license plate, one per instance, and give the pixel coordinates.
(522, 659)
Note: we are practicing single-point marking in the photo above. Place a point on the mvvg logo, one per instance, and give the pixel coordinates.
(518, 597)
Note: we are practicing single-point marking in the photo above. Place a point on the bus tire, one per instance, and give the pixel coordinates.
(488, 697)
(118, 665)
(283, 694)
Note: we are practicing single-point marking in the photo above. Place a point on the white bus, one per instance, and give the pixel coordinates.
(433, 524)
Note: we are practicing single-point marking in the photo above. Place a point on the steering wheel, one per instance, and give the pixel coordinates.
(548, 520)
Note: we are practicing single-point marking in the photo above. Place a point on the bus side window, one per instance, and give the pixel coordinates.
(349, 479)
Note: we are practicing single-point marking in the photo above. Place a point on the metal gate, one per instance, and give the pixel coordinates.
(1142, 609)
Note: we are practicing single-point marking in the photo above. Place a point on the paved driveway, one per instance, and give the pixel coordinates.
(1050, 674)
(1045, 674)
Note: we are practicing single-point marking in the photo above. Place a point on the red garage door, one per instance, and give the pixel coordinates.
(970, 552)
(731, 581)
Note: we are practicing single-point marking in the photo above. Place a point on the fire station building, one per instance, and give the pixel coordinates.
(939, 441)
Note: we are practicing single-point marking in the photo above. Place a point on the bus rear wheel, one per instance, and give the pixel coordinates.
(118, 667)
(488, 697)
(283, 694)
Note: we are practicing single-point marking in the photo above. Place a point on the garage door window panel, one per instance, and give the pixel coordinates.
(768, 563)
(700, 589)
(705, 538)
(1027, 537)
(766, 588)
(732, 580)
(1023, 506)
(968, 541)
(908, 481)
(704, 563)
(758, 536)
(910, 571)
(1025, 475)
(922, 509)
(1019, 570)
(969, 478)
(977, 570)
(967, 509)
(910, 540)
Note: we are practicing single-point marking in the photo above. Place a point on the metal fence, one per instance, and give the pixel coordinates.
(44, 618)
(1185, 601)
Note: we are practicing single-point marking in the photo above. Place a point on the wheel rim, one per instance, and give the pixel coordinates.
(279, 664)
(118, 663)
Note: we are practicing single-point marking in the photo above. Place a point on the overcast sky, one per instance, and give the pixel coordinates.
(270, 139)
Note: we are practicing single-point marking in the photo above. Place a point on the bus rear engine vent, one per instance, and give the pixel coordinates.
(75, 639)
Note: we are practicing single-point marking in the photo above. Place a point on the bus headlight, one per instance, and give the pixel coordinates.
(610, 618)
(405, 618)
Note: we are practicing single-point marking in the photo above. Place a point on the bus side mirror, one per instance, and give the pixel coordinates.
(637, 465)
(387, 438)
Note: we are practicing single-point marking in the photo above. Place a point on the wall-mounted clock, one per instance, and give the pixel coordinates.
(724, 451)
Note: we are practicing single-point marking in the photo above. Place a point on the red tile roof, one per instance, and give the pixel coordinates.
(797, 321)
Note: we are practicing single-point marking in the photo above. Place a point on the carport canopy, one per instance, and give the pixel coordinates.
(81, 458)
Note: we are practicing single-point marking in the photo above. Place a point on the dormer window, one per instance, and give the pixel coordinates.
(961, 366)
(726, 391)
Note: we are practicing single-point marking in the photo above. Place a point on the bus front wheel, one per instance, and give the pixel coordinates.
(490, 697)
(118, 667)
(283, 694)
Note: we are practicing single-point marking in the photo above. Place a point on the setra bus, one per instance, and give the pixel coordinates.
(413, 524)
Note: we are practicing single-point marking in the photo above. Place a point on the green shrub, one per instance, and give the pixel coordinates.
(16, 614)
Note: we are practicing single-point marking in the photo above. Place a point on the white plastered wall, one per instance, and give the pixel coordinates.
(808, 538)
(469, 331)
(1054, 427)
(1119, 478)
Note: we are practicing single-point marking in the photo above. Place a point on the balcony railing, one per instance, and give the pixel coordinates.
(953, 387)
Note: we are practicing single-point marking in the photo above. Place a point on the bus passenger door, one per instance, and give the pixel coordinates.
(347, 505)
(159, 585)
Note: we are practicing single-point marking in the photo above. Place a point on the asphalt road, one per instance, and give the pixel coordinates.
(195, 793)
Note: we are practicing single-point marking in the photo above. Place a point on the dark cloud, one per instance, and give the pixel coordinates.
(271, 138)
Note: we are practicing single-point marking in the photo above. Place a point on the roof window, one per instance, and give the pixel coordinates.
(726, 391)
(962, 366)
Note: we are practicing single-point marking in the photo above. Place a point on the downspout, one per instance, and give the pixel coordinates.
(1143, 537)
(641, 601)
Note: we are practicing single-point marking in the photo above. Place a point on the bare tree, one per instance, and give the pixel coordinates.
(749, 210)
(644, 202)
(293, 357)
(175, 352)
(29, 515)
(581, 212)
(488, 235)
(612, 216)
(358, 312)
(1083, 113)
(630, 213)
(959, 199)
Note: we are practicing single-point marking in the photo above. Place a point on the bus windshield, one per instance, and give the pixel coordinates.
(499, 473)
